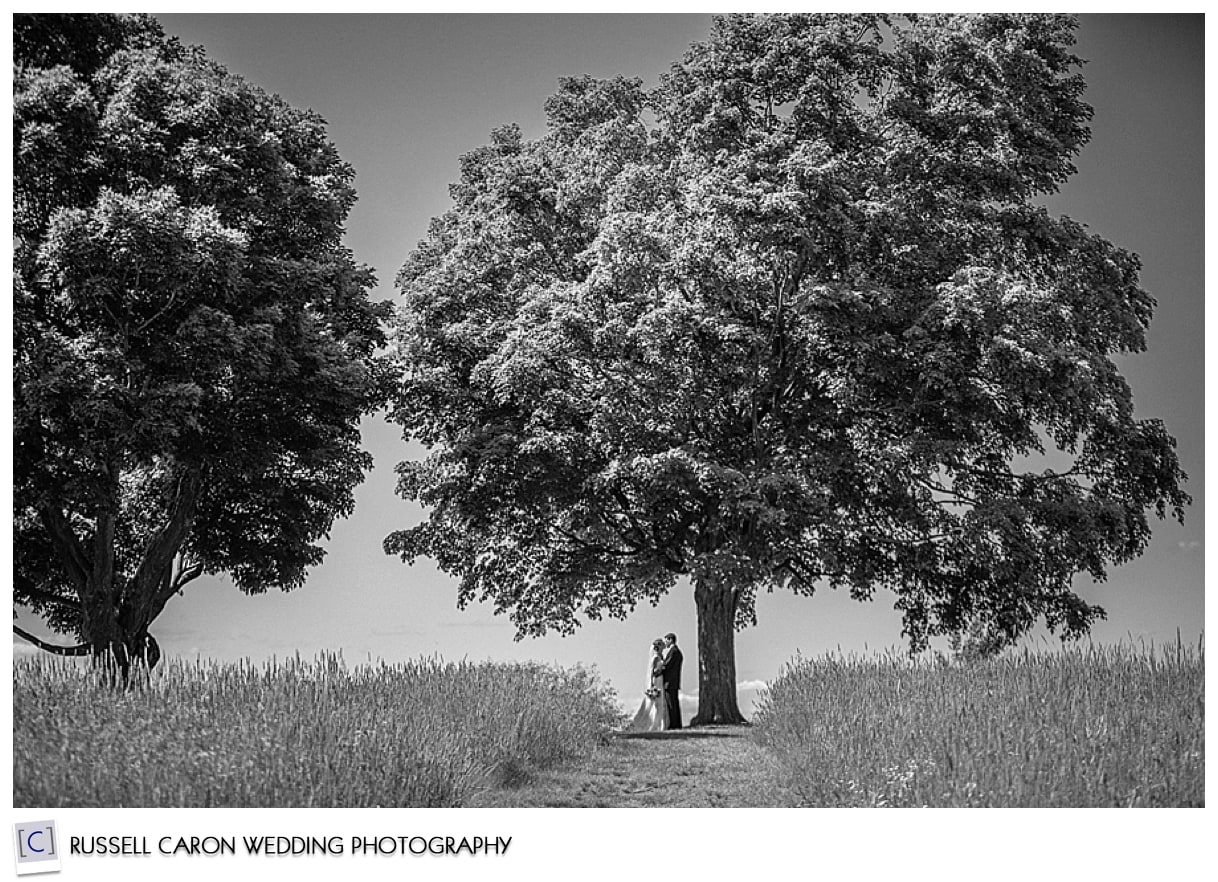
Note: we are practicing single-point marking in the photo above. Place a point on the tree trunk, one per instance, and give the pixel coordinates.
(102, 632)
(115, 632)
(115, 618)
(122, 648)
(716, 605)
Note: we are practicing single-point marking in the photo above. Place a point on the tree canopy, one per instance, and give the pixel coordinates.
(193, 344)
(793, 318)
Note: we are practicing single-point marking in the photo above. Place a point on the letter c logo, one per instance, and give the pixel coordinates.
(29, 842)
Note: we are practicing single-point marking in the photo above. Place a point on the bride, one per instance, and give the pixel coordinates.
(652, 715)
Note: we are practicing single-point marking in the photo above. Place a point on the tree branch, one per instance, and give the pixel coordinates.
(595, 547)
(1047, 475)
(103, 551)
(173, 585)
(954, 497)
(173, 297)
(626, 537)
(619, 495)
(185, 575)
(78, 649)
(159, 553)
(22, 585)
(67, 546)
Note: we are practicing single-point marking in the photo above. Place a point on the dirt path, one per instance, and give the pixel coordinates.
(712, 766)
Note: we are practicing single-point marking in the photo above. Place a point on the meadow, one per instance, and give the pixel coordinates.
(296, 733)
(1088, 726)
(1112, 726)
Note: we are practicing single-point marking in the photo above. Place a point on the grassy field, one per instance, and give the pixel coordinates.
(1092, 727)
(297, 733)
(1117, 726)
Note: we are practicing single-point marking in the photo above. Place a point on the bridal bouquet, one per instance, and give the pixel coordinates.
(652, 693)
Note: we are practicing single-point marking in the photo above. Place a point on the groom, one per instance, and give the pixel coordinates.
(670, 671)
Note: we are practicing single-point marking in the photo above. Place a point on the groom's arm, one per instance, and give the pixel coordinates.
(666, 661)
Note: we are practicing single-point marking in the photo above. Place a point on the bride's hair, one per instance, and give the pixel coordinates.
(658, 643)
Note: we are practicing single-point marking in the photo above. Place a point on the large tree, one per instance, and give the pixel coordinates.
(793, 318)
(193, 344)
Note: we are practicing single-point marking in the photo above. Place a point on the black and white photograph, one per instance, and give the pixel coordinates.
(563, 411)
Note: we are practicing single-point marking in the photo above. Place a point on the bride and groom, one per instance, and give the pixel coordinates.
(661, 707)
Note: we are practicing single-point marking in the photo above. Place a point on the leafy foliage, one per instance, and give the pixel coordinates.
(791, 318)
(193, 343)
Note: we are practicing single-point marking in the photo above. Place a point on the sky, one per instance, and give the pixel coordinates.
(405, 96)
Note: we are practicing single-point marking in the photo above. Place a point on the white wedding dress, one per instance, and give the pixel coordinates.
(652, 715)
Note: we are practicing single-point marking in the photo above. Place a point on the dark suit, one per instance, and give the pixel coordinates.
(670, 673)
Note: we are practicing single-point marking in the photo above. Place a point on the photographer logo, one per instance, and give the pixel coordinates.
(36, 847)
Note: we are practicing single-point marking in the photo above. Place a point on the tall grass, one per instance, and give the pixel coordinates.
(296, 733)
(1115, 726)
